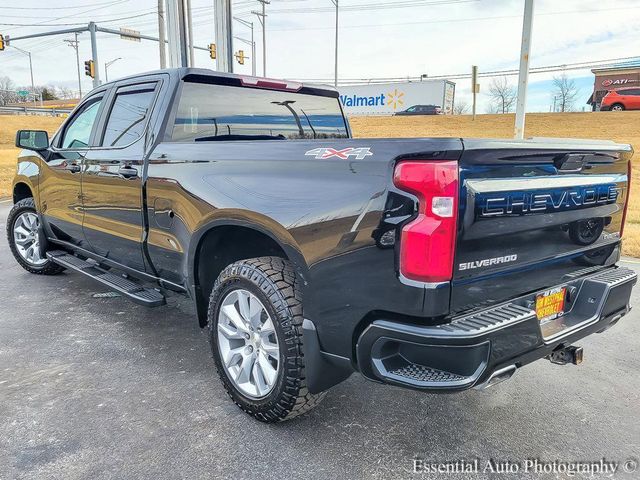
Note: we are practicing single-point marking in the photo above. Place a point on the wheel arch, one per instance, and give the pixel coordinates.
(22, 190)
(223, 241)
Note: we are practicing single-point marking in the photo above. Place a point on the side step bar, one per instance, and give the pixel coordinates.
(148, 297)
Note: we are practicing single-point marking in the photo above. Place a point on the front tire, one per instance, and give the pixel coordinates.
(255, 331)
(617, 107)
(23, 237)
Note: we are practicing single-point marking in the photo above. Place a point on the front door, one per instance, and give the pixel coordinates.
(112, 179)
(60, 178)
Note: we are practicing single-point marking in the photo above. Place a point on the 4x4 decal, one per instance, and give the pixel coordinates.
(326, 152)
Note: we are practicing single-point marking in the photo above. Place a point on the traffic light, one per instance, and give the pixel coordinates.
(212, 51)
(90, 69)
(240, 57)
(1, 42)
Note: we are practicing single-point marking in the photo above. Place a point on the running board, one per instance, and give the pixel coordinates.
(148, 297)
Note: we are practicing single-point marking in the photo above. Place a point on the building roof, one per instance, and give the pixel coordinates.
(630, 65)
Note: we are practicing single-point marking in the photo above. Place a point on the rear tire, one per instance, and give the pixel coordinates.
(24, 241)
(617, 107)
(268, 284)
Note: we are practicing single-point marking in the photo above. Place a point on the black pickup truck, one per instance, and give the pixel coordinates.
(437, 264)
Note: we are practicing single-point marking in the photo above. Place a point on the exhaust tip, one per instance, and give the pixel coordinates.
(497, 377)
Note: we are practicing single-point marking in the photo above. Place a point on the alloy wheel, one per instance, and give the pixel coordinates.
(25, 236)
(248, 344)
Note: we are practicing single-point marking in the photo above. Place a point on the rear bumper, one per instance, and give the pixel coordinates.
(472, 349)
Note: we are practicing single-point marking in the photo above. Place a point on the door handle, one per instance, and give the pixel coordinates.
(128, 171)
(73, 167)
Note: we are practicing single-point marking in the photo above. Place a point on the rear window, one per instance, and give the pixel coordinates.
(220, 112)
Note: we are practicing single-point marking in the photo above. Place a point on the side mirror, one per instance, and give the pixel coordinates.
(32, 139)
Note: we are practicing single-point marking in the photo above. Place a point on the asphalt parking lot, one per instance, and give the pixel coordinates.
(102, 388)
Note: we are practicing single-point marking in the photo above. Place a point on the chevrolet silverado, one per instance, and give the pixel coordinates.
(437, 264)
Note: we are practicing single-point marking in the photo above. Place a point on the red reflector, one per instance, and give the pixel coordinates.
(427, 244)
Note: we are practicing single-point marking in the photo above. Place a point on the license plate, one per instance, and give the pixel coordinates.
(550, 304)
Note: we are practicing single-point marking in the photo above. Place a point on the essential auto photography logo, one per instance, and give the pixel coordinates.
(531, 466)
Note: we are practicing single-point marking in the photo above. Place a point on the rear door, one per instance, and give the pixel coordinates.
(633, 99)
(112, 180)
(535, 213)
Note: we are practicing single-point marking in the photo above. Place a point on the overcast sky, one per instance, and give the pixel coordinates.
(436, 37)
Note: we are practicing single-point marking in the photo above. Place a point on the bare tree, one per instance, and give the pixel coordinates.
(460, 108)
(65, 93)
(503, 95)
(7, 88)
(565, 91)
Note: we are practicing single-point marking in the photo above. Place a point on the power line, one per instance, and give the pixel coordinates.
(59, 8)
(494, 73)
(76, 23)
(376, 6)
(46, 23)
(94, 16)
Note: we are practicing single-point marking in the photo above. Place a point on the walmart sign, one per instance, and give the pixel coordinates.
(362, 101)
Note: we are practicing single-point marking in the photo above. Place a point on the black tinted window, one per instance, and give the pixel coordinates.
(221, 112)
(78, 131)
(127, 118)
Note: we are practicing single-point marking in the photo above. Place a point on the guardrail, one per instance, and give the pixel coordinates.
(35, 111)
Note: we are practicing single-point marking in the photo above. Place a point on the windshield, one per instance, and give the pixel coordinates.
(211, 112)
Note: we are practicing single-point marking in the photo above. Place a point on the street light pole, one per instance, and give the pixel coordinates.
(33, 88)
(107, 65)
(252, 43)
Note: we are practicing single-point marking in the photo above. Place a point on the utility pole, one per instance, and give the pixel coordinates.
(335, 75)
(523, 78)
(94, 54)
(33, 88)
(475, 88)
(74, 44)
(253, 43)
(107, 65)
(224, 35)
(262, 16)
(162, 35)
(190, 32)
(177, 33)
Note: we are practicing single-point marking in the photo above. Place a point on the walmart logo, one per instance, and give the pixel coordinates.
(393, 99)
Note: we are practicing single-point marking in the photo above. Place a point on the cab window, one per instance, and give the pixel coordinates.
(78, 132)
(128, 115)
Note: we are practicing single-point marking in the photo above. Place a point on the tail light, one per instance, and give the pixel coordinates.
(427, 244)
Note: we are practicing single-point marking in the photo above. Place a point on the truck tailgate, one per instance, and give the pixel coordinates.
(533, 214)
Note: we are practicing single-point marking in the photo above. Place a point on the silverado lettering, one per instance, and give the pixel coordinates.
(488, 262)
